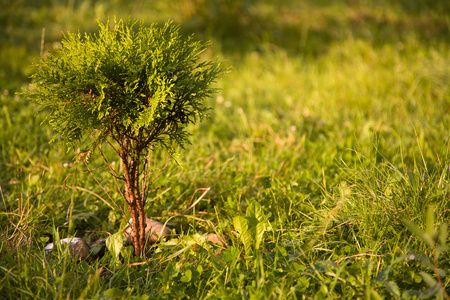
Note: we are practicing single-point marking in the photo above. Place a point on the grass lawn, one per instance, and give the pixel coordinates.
(326, 158)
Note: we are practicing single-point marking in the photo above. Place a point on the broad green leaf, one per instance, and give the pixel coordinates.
(114, 292)
(231, 254)
(428, 279)
(424, 236)
(187, 276)
(255, 210)
(259, 233)
(374, 295)
(392, 288)
(384, 274)
(442, 237)
(430, 221)
(200, 269)
(252, 227)
(241, 225)
(114, 244)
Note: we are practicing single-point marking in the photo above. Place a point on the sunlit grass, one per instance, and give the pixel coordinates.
(334, 119)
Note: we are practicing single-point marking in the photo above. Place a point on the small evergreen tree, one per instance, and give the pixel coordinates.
(133, 88)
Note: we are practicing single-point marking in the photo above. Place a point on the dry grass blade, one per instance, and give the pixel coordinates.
(88, 191)
(206, 190)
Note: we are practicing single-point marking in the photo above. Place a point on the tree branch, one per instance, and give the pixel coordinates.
(110, 198)
(113, 173)
(146, 188)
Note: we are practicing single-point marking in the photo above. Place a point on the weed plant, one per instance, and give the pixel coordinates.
(326, 157)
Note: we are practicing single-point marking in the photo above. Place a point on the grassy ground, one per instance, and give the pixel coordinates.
(328, 142)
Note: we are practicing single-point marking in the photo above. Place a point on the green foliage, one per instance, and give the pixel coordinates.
(127, 81)
(114, 244)
(252, 227)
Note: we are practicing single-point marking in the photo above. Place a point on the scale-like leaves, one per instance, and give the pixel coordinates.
(127, 81)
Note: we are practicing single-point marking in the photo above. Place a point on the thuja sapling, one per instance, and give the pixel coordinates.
(133, 88)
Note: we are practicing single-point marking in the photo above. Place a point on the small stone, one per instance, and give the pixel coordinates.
(216, 239)
(154, 231)
(78, 248)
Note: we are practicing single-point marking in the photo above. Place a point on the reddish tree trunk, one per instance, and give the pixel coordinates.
(135, 203)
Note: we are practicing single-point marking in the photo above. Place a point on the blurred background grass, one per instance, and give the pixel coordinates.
(303, 28)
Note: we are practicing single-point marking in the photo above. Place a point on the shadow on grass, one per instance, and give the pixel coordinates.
(308, 28)
(311, 27)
